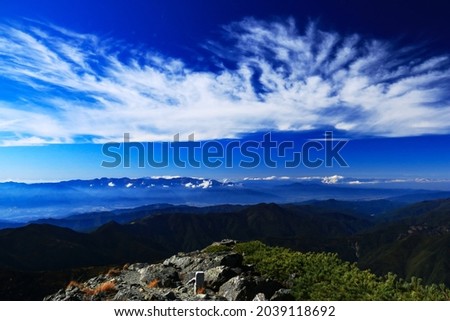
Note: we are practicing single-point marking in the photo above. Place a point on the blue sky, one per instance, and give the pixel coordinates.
(75, 75)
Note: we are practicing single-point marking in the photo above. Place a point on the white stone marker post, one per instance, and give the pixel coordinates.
(199, 284)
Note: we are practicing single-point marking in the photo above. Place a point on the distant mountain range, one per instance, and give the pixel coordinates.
(21, 203)
(158, 232)
(413, 240)
(50, 232)
(383, 235)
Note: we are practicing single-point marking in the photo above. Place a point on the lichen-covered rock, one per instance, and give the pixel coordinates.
(226, 278)
(246, 287)
(217, 276)
(282, 295)
(259, 297)
(165, 276)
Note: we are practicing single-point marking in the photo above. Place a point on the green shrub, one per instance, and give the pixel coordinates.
(216, 248)
(324, 276)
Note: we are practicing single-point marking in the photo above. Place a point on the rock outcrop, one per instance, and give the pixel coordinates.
(225, 275)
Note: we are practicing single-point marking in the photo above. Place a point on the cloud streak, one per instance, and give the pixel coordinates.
(83, 88)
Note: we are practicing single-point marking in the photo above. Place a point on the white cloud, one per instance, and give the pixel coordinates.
(81, 85)
(332, 179)
(268, 178)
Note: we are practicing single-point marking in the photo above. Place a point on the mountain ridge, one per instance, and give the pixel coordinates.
(22, 203)
(151, 235)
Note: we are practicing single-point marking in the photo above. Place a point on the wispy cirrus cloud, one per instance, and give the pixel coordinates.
(77, 87)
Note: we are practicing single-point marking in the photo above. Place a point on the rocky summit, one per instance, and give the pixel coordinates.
(195, 276)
